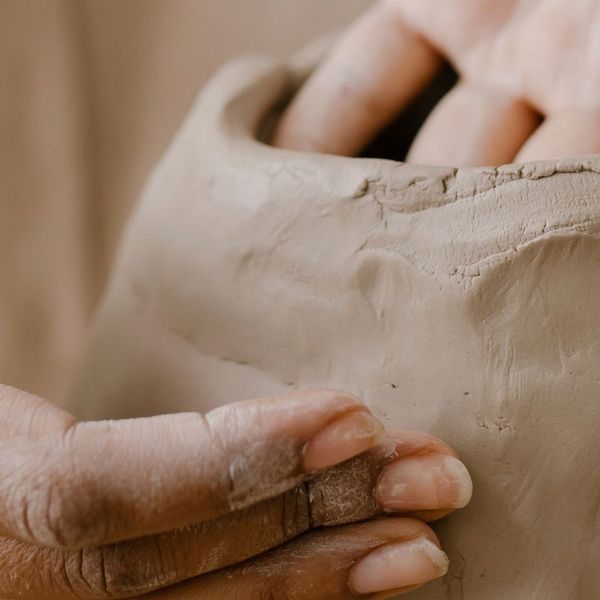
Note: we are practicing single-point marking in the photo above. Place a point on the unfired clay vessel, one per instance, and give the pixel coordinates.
(462, 302)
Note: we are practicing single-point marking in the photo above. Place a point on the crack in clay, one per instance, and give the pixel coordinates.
(382, 216)
(457, 574)
(390, 196)
(474, 269)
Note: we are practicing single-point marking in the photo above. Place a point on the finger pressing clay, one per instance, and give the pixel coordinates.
(461, 302)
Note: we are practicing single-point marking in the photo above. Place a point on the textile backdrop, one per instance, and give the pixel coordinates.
(91, 91)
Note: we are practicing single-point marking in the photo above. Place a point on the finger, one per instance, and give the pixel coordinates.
(377, 68)
(412, 464)
(474, 126)
(128, 569)
(378, 559)
(411, 473)
(95, 483)
(564, 134)
(24, 414)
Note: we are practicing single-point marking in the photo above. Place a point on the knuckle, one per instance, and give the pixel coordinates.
(52, 501)
(117, 570)
(355, 87)
(293, 508)
(131, 569)
(83, 574)
(278, 588)
(64, 513)
(250, 470)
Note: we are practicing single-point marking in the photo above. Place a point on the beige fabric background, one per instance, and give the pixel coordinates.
(91, 91)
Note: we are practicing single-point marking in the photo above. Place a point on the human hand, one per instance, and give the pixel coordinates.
(121, 509)
(518, 61)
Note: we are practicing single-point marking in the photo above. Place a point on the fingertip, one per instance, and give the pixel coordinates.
(420, 483)
(377, 67)
(398, 565)
(322, 404)
(344, 438)
(308, 124)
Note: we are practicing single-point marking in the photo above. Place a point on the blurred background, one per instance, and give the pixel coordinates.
(91, 92)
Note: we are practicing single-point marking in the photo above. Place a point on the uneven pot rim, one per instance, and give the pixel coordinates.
(482, 215)
(250, 92)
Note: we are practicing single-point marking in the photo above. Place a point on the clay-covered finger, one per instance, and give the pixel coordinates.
(417, 483)
(474, 126)
(563, 134)
(375, 70)
(93, 483)
(133, 567)
(410, 473)
(378, 559)
(354, 491)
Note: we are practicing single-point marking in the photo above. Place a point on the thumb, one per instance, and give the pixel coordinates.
(94, 483)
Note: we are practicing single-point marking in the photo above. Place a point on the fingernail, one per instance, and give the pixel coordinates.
(431, 482)
(346, 437)
(396, 566)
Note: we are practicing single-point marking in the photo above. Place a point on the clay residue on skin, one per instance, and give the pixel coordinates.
(474, 291)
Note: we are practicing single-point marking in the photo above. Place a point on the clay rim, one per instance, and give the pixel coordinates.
(256, 88)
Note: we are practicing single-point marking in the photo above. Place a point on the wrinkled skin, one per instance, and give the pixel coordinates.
(519, 62)
(118, 509)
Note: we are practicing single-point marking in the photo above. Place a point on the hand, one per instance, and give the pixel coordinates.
(519, 61)
(119, 509)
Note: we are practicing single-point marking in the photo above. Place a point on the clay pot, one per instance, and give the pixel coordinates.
(462, 302)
